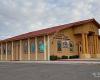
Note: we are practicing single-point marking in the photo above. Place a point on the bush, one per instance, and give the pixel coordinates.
(74, 57)
(64, 57)
(53, 57)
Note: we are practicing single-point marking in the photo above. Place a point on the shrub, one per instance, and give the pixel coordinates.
(74, 57)
(64, 57)
(53, 57)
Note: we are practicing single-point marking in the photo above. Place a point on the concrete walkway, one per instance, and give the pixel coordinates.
(68, 61)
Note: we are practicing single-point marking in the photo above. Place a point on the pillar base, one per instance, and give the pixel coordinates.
(97, 56)
(85, 56)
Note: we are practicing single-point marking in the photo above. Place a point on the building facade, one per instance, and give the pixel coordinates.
(78, 38)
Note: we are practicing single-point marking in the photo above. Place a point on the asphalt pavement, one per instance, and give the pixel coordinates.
(46, 71)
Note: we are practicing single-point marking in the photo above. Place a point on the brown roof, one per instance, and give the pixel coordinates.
(51, 30)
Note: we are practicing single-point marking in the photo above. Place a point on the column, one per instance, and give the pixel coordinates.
(6, 51)
(48, 47)
(86, 43)
(97, 44)
(20, 53)
(83, 41)
(45, 47)
(1, 51)
(12, 51)
(28, 49)
(36, 50)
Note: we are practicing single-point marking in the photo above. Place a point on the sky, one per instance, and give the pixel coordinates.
(21, 16)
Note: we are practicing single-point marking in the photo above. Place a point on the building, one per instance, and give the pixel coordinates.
(78, 38)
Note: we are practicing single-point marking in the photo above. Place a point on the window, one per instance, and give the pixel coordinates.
(9, 49)
(41, 46)
(65, 44)
(4, 49)
(25, 47)
(59, 46)
(32, 47)
(71, 46)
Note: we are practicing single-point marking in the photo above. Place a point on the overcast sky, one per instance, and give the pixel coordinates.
(20, 16)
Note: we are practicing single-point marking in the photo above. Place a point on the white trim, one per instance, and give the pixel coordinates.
(1, 51)
(28, 49)
(6, 51)
(36, 50)
(12, 50)
(20, 50)
(45, 47)
(48, 48)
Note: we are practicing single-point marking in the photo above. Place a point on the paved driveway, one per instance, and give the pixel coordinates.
(33, 71)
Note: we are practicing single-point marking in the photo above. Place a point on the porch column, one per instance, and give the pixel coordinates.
(36, 50)
(83, 41)
(12, 51)
(1, 51)
(97, 48)
(20, 53)
(86, 43)
(6, 51)
(48, 47)
(97, 44)
(45, 47)
(28, 49)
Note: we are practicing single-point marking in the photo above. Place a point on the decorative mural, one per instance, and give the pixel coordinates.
(64, 42)
(41, 46)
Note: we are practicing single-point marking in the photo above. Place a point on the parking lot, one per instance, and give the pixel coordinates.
(45, 71)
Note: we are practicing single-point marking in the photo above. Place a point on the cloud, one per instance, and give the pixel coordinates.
(20, 16)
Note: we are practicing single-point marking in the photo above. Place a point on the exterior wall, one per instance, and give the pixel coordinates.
(65, 51)
(75, 35)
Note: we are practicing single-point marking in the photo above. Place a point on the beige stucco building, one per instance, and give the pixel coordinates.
(79, 38)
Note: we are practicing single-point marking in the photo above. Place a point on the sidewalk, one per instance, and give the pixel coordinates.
(68, 61)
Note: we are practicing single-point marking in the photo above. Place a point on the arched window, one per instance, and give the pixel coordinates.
(59, 45)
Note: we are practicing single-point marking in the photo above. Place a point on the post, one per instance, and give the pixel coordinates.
(45, 47)
(97, 45)
(20, 50)
(36, 50)
(48, 48)
(28, 49)
(83, 40)
(87, 50)
(12, 51)
(6, 51)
